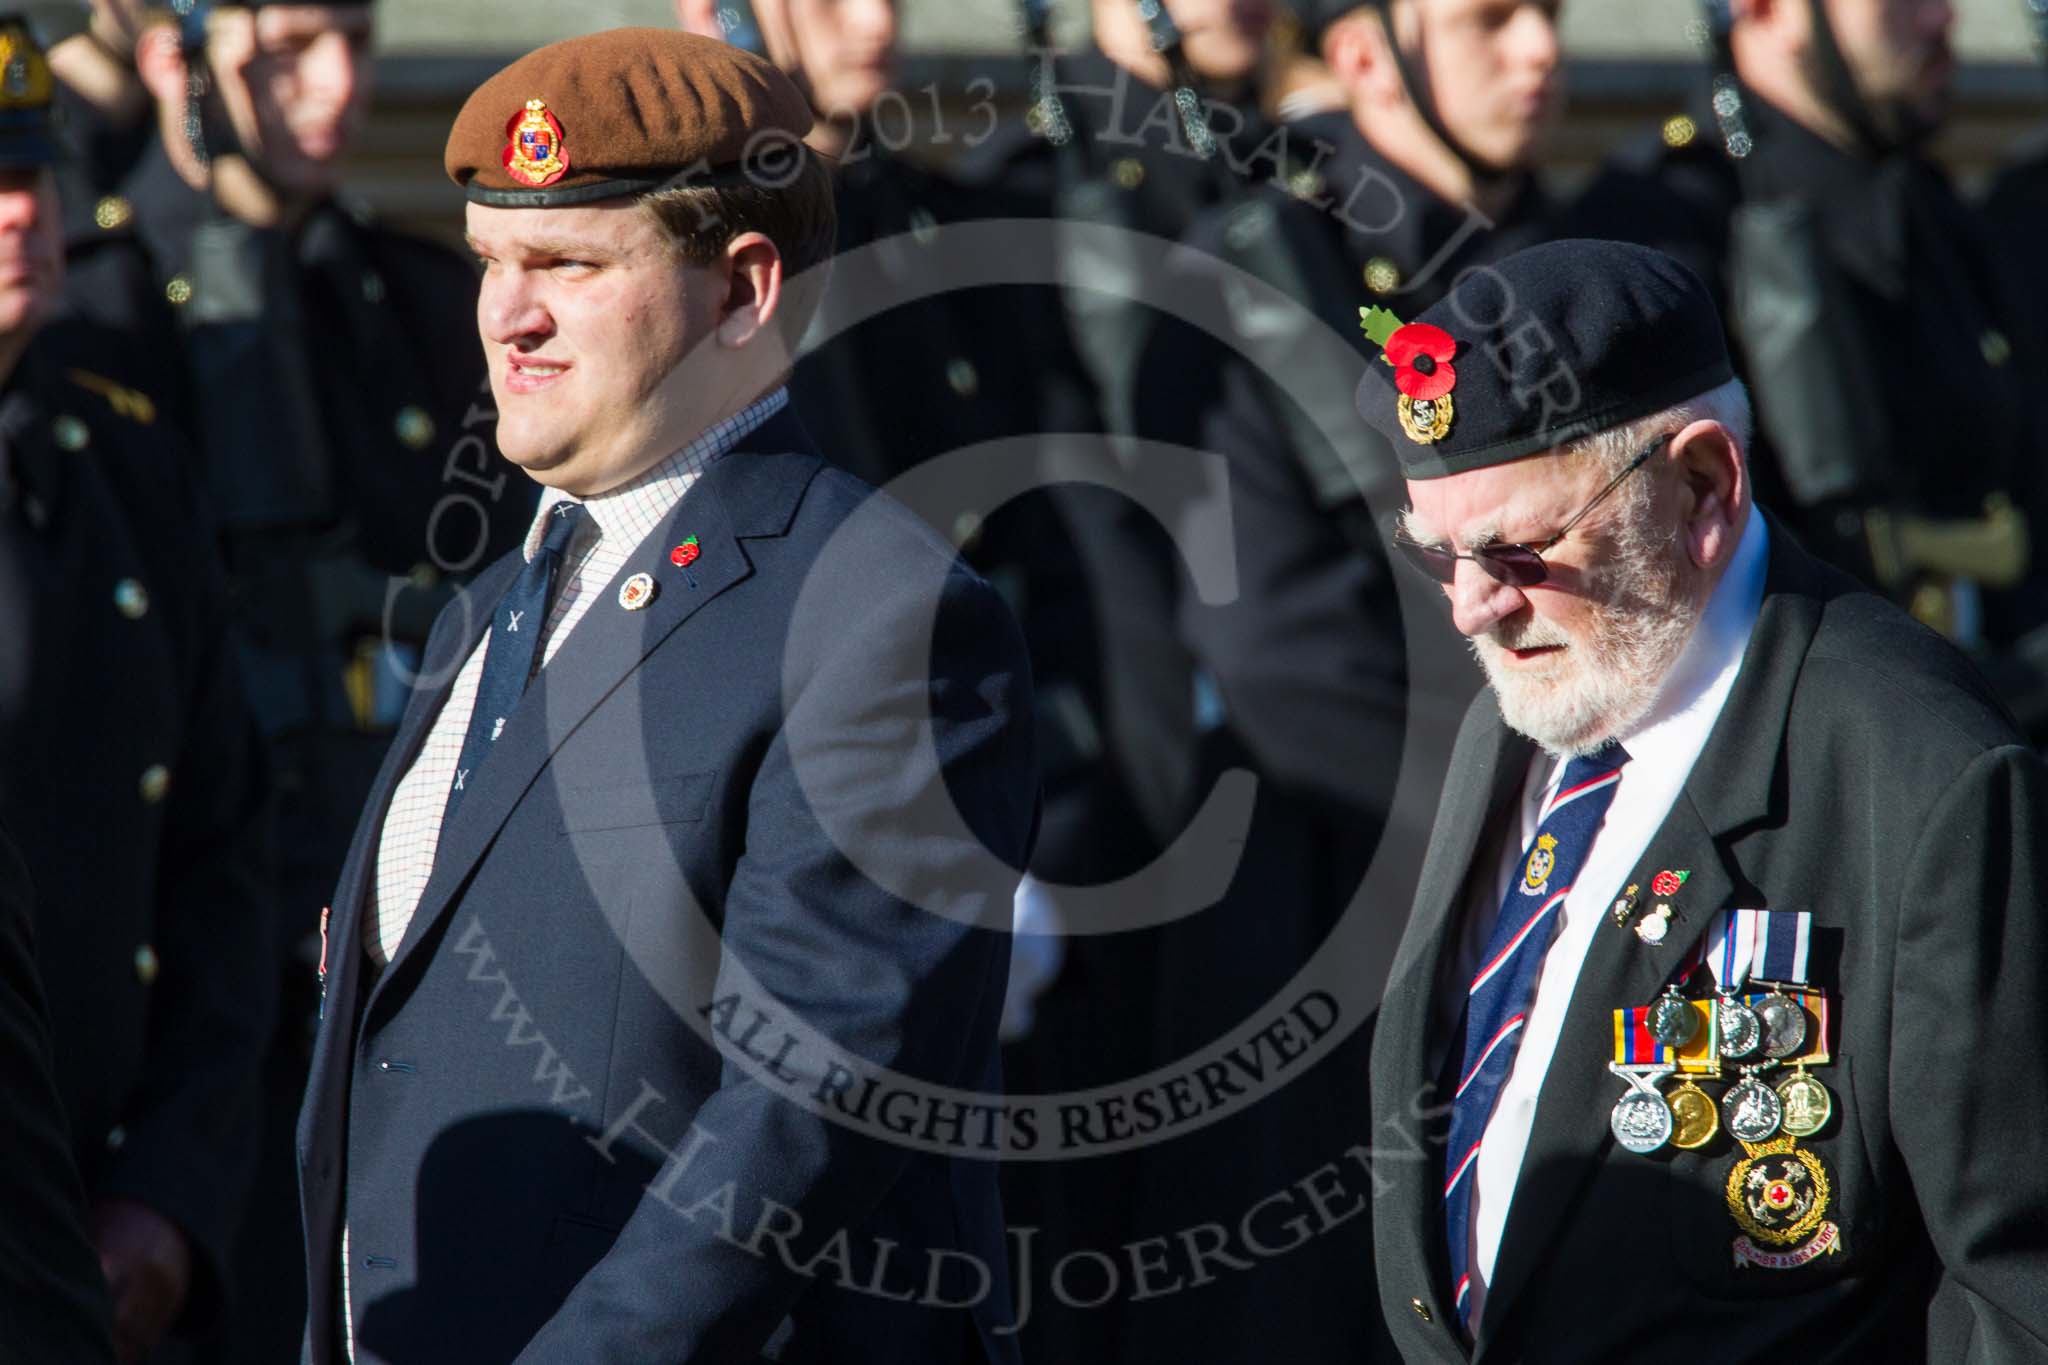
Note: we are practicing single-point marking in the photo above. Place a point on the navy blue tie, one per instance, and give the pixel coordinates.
(513, 650)
(1498, 998)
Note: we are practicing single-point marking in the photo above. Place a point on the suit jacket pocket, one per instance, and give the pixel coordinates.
(1843, 1196)
(658, 801)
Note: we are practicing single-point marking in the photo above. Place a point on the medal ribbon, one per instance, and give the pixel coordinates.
(1731, 948)
(1633, 1043)
(1781, 944)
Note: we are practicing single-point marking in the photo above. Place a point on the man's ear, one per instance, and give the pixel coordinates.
(699, 17)
(1714, 475)
(1360, 56)
(753, 289)
(160, 62)
(1789, 16)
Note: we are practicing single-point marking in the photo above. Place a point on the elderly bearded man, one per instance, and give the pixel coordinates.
(1731, 913)
(700, 824)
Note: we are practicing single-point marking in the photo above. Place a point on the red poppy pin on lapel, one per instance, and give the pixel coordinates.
(1667, 883)
(1421, 355)
(684, 555)
(1652, 927)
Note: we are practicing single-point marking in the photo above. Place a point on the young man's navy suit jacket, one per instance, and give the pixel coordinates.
(778, 806)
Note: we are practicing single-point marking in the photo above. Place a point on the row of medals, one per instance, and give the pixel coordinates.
(1755, 1039)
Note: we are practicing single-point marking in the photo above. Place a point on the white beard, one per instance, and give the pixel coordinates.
(1599, 688)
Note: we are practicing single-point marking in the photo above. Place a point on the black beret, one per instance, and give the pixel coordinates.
(1550, 345)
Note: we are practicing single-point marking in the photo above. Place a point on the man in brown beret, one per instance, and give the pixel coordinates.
(698, 833)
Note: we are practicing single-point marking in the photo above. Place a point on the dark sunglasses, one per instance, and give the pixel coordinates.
(1518, 566)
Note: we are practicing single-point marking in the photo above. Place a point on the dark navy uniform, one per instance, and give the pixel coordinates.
(333, 385)
(1143, 664)
(131, 777)
(2017, 210)
(1091, 576)
(53, 1297)
(1878, 332)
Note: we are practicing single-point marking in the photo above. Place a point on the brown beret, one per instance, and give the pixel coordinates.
(623, 112)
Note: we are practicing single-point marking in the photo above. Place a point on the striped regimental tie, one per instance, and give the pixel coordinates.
(1498, 999)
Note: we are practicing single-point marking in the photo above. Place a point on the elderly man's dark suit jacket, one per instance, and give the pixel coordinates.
(515, 1115)
(1859, 770)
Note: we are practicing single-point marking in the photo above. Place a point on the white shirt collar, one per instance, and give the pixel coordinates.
(646, 499)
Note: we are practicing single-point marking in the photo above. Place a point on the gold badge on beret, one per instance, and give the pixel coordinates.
(534, 150)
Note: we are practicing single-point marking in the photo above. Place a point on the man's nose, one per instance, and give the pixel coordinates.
(1479, 601)
(508, 308)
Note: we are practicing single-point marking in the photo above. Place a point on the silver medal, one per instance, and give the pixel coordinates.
(1673, 1021)
(1642, 1121)
(1784, 1021)
(1741, 1030)
(1751, 1110)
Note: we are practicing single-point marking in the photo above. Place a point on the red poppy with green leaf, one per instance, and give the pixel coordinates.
(1420, 352)
(1421, 356)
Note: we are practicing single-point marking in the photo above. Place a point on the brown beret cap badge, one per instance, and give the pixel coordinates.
(623, 112)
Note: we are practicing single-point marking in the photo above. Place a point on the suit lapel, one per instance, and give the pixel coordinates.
(448, 646)
(741, 494)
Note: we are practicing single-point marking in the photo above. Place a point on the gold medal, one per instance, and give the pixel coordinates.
(1808, 1105)
(1696, 1117)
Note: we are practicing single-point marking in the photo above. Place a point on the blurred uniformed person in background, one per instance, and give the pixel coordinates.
(1899, 431)
(1089, 574)
(334, 388)
(1426, 171)
(106, 119)
(52, 1296)
(106, 122)
(129, 772)
(890, 405)
(2017, 204)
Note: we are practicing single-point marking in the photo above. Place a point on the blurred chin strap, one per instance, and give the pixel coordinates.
(738, 26)
(1187, 98)
(1839, 92)
(1837, 87)
(1034, 25)
(1716, 25)
(1416, 81)
(206, 133)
